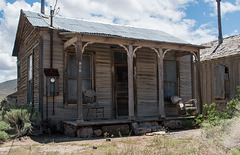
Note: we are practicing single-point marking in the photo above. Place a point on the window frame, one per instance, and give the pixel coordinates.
(30, 78)
(67, 77)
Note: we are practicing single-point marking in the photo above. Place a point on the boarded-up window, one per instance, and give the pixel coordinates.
(219, 72)
(170, 79)
(221, 83)
(72, 76)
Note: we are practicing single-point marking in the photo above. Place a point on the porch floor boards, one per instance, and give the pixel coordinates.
(123, 121)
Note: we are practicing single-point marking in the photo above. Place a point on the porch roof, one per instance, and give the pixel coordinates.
(99, 29)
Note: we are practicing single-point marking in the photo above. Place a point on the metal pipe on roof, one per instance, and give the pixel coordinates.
(43, 6)
(220, 38)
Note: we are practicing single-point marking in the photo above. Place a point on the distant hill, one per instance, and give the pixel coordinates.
(7, 88)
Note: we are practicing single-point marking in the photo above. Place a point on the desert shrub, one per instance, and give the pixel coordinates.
(213, 116)
(3, 136)
(4, 126)
(19, 120)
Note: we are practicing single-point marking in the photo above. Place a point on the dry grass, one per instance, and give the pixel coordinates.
(183, 142)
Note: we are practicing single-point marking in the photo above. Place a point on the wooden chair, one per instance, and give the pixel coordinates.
(184, 108)
(93, 105)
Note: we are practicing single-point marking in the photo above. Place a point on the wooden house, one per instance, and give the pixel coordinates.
(134, 71)
(220, 71)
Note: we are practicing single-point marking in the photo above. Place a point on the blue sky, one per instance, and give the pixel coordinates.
(192, 20)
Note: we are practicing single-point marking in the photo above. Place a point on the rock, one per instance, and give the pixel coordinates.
(174, 124)
(134, 126)
(145, 125)
(154, 123)
(108, 139)
(98, 132)
(159, 133)
(85, 132)
(142, 131)
(69, 131)
(157, 128)
(115, 129)
(149, 134)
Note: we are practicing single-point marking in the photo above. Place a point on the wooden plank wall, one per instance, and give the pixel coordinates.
(103, 76)
(147, 83)
(29, 43)
(62, 112)
(208, 79)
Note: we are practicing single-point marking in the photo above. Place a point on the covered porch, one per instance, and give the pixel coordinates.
(134, 79)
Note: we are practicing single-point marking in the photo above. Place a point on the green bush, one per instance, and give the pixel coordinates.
(3, 136)
(4, 126)
(213, 116)
(19, 120)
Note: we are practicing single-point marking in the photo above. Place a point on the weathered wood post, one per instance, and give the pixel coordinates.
(199, 93)
(160, 85)
(130, 84)
(79, 80)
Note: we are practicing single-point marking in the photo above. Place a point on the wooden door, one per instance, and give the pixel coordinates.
(121, 89)
(120, 83)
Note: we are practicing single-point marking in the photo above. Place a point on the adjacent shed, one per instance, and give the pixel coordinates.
(220, 71)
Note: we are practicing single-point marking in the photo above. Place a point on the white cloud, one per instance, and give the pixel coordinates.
(226, 7)
(2, 4)
(8, 26)
(168, 16)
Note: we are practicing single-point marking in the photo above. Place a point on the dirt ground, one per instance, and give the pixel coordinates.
(61, 144)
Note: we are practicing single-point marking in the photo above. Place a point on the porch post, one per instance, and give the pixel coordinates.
(160, 85)
(199, 93)
(130, 84)
(79, 80)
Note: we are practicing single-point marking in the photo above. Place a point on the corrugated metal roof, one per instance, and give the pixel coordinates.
(80, 26)
(229, 47)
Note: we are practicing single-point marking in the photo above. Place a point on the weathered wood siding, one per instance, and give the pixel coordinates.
(208, 79)
(62, 112)
(147, 83)
(103, 76)
(29, 45)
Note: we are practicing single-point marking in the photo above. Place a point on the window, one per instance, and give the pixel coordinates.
(221, 82)
(86, 73)
(170, 79)
(30, 79)
(72, 76)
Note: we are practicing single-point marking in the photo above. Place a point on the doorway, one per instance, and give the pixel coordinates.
(121, 83)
